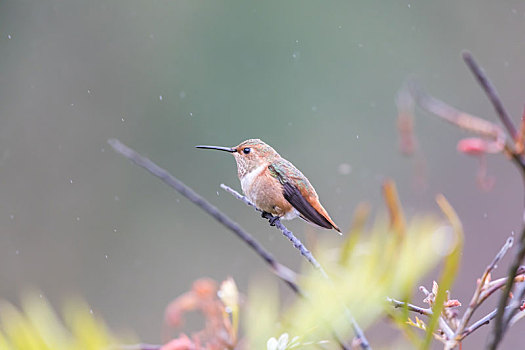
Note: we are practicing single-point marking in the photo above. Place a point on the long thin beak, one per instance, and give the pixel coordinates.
(226, 149)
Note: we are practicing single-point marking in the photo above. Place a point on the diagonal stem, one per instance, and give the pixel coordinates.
(308, 255)
(283, 272)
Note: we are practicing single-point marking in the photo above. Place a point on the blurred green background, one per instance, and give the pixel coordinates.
(315, 79)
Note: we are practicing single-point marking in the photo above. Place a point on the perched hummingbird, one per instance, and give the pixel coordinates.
(275, 185)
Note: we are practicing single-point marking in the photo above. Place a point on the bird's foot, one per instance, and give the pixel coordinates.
(272, 219)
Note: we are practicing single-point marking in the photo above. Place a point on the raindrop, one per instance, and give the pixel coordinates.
(357, 137)
(72, 104)
(160, 97)
(70, 181)
(297, 41)
(191, 114)
(41, 296)
(182, 94)
(91, 311)
(89, 91)
(9, 36)
(114, 230)
(106, 256)
(296, 55)
(344, 168)
(78, 218)
(340, 27)
(217, 193)
(409, 5)
(122, 119)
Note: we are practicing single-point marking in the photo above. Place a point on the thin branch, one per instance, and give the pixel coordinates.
(481, 322)
(499, 325)
(492, 94)
(283, 272)
(410, 307)
(363, 342)
(287, 233)
(475, 301)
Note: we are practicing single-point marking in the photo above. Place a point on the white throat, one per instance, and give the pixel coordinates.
(249, 178)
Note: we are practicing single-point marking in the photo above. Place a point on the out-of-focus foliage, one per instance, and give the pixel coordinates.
(36, 326)
(372, 264)
(220, 308)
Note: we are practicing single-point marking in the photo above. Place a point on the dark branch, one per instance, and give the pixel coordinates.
(492, 94)
(283, 272)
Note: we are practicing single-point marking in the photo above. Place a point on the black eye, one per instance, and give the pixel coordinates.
(247, 150)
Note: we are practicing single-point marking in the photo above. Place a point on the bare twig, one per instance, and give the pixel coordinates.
(491, 92)
(363, 342)
(283, 272)
(481, 322)
(287, 233)
(410, 307)
(475, 301)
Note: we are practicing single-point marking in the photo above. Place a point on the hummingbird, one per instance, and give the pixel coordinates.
(275, 185)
